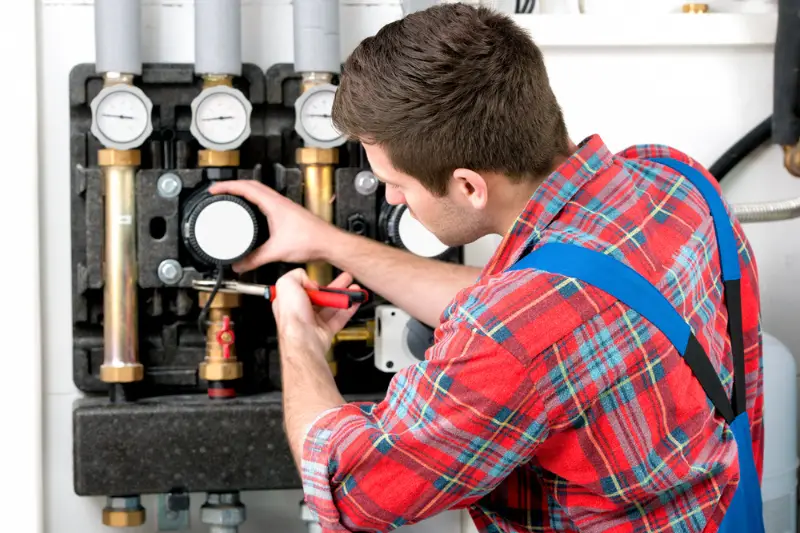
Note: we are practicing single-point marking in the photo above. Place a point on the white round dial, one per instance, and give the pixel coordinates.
(224, 230)
(417, 238)
(121, 117)
(314, 123)
(221, 118)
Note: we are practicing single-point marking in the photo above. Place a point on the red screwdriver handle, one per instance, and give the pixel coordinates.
(339, 298)
(328, 297)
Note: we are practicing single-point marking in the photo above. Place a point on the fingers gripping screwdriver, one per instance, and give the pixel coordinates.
(322, 297)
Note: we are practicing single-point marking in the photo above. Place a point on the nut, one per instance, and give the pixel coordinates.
(224, 370)
(170, 271)
(109, 157)
(121, 374)
(317, 156)
(212, 158)
(695, 8)
(228, 512)
(123, 518)
(222, 300)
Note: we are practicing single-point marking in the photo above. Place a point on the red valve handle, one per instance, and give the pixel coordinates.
(225, 337)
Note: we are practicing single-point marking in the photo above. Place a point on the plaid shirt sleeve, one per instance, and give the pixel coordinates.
(449, 431)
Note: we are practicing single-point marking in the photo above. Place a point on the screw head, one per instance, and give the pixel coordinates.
(365, 183)
(170, 271)
(169, 185)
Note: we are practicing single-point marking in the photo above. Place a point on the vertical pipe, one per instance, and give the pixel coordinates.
(316, 36)
(318, 195)
(117, 26)
(120, 328)
(218, 37)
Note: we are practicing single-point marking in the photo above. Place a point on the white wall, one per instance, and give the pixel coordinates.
(697, 99)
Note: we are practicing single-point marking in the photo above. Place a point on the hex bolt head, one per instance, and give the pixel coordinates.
(169, 185)
(365, 183)
(170, 271)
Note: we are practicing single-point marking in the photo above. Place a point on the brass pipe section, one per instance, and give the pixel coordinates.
(120, 298)
(317, 165)
(214, 158)
(363, 333)
(220, 364)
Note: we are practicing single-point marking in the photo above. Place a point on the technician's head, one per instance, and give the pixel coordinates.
(455, 111)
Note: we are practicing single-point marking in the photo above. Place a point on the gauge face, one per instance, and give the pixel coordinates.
(121, 117)
(316, 116)
(417, 239)
(221, 118)
(313, 121)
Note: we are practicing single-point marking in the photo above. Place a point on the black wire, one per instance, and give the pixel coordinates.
(201, 318)
(741, 149)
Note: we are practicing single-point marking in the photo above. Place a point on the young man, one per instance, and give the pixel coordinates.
(545, 404)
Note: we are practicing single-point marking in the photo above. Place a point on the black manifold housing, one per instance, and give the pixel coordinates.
(172, 436)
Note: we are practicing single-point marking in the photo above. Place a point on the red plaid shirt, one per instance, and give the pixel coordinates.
(547, 405)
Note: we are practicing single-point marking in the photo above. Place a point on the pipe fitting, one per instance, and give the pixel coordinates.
(223, 512)
(123, 511)
(317, 156)
(213, 158)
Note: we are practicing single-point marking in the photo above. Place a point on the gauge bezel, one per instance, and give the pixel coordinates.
(97, 131)
(196, 130)
(309, 140)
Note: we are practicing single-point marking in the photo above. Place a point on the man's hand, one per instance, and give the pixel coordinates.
(299, 322)
(296, 235)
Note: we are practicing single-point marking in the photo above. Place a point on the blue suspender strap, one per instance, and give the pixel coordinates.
(629, 287)
(731, 273)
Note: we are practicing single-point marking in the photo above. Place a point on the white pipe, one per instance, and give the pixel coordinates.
(117, 36)
(218, 37)
(316, 36)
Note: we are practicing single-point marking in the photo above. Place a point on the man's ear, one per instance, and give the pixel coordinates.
(470, 187)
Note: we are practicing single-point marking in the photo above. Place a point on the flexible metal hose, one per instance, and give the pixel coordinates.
(767, 211)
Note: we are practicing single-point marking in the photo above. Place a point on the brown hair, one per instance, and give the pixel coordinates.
(451, 87)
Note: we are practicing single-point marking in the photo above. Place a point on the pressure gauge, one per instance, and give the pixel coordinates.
(121, 117)
(221, 118)
(221, 229)
(313, 117)
(399, 228)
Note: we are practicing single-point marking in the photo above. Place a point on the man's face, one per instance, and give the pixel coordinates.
(452, 219)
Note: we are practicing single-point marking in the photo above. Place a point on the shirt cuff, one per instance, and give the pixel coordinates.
(318, 466)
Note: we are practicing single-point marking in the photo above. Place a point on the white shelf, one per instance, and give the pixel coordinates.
(671, 30)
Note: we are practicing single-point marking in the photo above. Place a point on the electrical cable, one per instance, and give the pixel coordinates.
(741, 149)
(201, 318)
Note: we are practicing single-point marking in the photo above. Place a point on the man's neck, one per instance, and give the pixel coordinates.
(516, 196)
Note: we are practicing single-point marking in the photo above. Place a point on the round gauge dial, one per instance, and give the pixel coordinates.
(221, 118)
(121, 117)
(313, 122)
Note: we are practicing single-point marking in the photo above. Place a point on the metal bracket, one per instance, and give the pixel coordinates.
(173, 511)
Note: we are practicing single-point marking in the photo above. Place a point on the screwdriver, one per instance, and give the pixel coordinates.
(322, 297)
